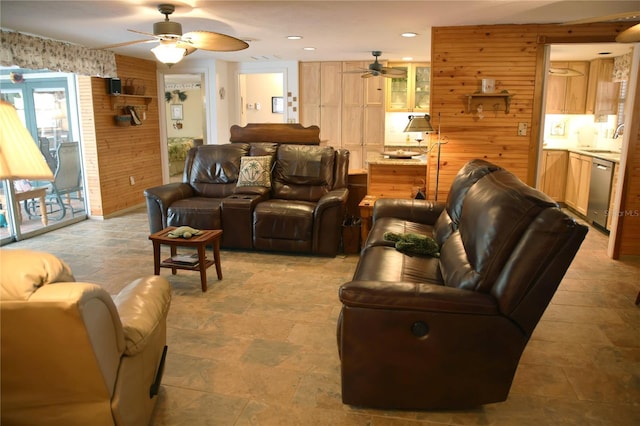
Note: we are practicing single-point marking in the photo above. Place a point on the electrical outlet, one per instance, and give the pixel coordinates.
(132, 180)
(522, 129)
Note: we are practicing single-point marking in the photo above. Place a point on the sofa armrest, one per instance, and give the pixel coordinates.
(333, 198)
(416, 297)
(418, 211)
(159, 198)
(143, 306)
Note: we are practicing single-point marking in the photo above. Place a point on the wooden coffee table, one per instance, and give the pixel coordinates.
(201, 241)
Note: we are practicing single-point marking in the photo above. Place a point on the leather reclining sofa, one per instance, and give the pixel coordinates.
(447, 332)
(301, 210)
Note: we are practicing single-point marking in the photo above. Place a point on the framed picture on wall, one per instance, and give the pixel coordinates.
(277, 105)
(176, 112)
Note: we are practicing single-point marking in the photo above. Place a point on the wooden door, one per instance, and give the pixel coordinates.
(353, 112)
(573, 177)
(554, 174)
(331, 103)
(310, 93)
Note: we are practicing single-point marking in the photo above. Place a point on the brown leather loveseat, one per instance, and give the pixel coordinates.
(297, 207)
(447, 332)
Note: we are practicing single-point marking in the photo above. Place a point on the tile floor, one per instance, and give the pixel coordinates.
(258, 348)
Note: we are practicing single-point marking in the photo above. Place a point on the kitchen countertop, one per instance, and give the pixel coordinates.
(592, 152)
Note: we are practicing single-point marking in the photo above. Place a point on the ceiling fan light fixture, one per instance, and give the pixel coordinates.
(168, 53)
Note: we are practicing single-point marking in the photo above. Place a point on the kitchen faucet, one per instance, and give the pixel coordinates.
(619, 130)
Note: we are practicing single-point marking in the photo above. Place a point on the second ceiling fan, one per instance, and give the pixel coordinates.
(376, 69)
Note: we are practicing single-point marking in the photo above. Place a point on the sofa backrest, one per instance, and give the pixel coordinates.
(468, 175)
(212, 170)
(303, 172)
(506, 243)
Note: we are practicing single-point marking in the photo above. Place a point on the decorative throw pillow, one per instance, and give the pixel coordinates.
(255, 171)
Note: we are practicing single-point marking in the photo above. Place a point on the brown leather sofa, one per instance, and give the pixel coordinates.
(301, 211)
(71, 353)
(447, 332)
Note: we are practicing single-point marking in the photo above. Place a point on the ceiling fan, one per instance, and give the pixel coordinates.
(376, 69)
(174, 45)
(630, 35)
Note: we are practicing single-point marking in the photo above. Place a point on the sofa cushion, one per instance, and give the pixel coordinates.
(214, 166)
(255, 171)
(197, 212)
(303, 172)
(496, 212)
(385, 263)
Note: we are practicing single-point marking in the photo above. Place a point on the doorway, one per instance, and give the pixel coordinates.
(583, 112)
(185, 119)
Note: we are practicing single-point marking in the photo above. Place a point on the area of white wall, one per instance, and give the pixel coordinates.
(257, 92)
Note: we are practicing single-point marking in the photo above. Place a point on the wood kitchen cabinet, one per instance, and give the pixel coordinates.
(578, 180)
(410, 93)
(602, 92)
(348, 109)
(568, 95)
(321, 99)
(553, 179)
(362, 114)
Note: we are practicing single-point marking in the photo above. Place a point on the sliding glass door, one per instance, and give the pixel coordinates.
(42, 100)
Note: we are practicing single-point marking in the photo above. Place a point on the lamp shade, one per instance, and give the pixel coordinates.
(419, 124)
(20, 157)
(168, 53)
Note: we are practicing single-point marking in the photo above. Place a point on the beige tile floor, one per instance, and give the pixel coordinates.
(258, 348)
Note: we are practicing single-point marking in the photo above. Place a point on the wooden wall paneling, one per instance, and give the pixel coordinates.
(89, 146)
(124, 152)
(353, 112)
(513, 56)
(331, 103)
(309, 93)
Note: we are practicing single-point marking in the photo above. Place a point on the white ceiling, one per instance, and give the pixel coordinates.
(339, 30)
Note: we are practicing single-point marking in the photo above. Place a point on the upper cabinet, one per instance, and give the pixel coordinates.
(602, 92)
(411, 93)
(568, 94)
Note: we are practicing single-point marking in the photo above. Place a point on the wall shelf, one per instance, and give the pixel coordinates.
(120, 101)
(478, 96)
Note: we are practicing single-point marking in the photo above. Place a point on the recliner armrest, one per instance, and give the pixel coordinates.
(333, 198)
(142, 306)
(159, 198)
(419, 211)
(167, 194)
(416, 297)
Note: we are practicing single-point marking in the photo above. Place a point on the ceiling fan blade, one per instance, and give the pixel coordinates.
(393, 72)
(143, 33)
(356, 71)
(367, 75)
(630, 35)
(127, 43)
(625, 16)
(207, 40)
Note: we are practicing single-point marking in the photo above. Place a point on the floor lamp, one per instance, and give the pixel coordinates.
(423, 124)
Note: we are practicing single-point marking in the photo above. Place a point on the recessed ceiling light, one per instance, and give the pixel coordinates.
(604, 53)
(308, 48)
(408, 34)
(407, 58)
(294, 37)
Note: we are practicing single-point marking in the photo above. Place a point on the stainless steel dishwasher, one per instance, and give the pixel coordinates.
(600, 191)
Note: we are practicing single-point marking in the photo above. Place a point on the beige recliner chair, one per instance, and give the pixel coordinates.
(71, 353)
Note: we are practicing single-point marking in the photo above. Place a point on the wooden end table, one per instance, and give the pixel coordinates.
(200, 241)
(31, 194)
(366, 213)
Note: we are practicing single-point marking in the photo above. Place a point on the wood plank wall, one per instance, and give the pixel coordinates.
(512, 55)
(116, 153)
